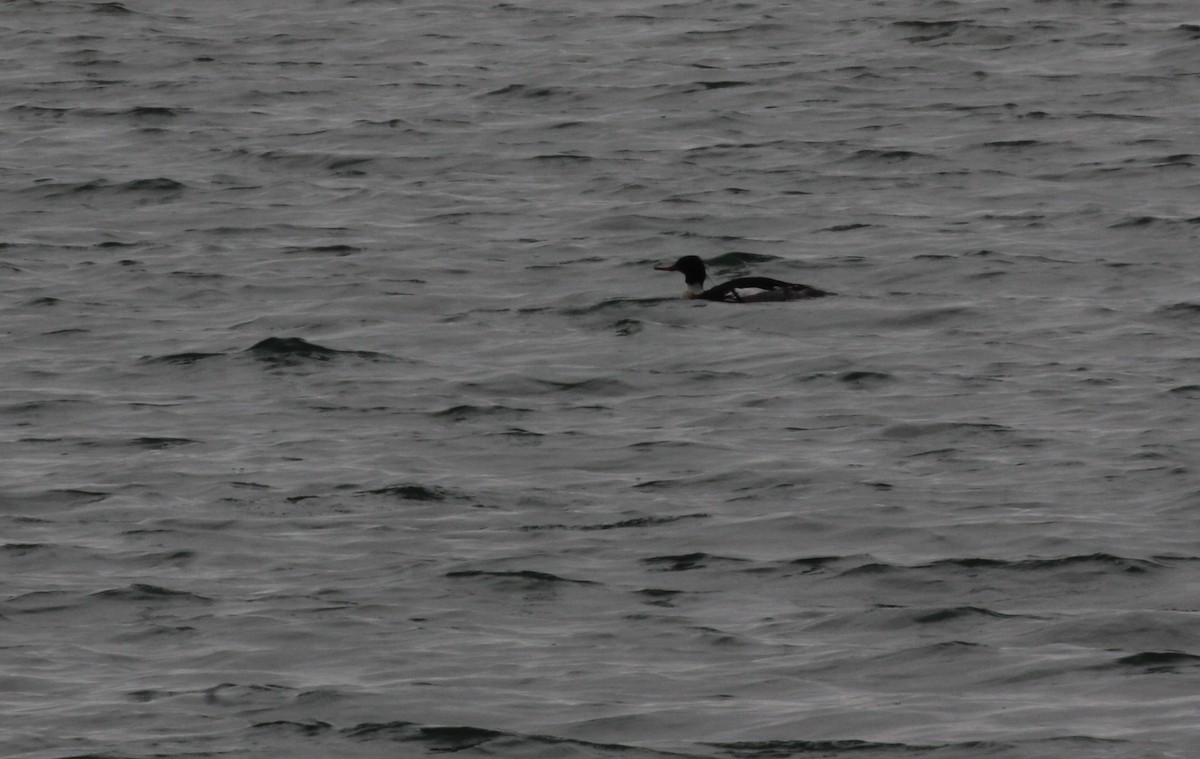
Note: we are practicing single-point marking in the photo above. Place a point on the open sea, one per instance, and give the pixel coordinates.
(343, 414)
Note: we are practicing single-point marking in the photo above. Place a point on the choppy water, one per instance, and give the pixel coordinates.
(511, 496)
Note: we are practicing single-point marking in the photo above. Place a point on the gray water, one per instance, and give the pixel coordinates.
(344, 414)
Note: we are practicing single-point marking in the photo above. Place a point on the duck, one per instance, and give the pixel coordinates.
(740, 290)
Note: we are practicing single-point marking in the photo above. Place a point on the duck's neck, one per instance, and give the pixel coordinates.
(693, 289)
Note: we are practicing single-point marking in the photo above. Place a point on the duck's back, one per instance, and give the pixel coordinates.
(760, 290)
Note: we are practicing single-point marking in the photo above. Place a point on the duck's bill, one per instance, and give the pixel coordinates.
(665, 268)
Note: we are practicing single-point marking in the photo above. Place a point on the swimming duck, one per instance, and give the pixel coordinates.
(740, 290)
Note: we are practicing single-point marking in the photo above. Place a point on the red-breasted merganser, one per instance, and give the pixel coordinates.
(740, 290)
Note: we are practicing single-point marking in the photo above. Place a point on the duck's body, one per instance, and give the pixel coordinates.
(740, 290)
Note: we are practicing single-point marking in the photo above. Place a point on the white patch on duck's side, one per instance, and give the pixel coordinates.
(750, 294)
(755, 295)
(758, 295)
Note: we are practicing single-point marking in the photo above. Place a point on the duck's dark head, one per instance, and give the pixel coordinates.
(692, 269)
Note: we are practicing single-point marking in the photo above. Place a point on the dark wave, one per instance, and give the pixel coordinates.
(145, 592)
(926, 25)
(863, 378)
(151, 185)
(593, 386)
(335, 250)
(781, 749)
(275, 348)
(811, 564)
(117, 9)
(450, 738)
(1183, 310)
(845, 227)
(41, 602)
(1115, 116)
(622, 304)
(1014, 144)
(455, 738)
(28, 109)
(963, 32)
(342, 164)
(153, 111)
(660, 445)
(137, 112)
(737, 258)
(23, 549)
(622, 525)
(154, 184)
(929, 316)
(1159, 661)
(182, 359)
(723, 84)
(1101, 562)
(955, 613)
(1137, 221)
(293, 350)
(467, 411)
(60, 497)
(530, 576)
(626, 327)
(658, 596)
(518, 433)
(562, 157)
(754, 30)
(414, 492)
(533, 92)
(886, 156)
(685, 562)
